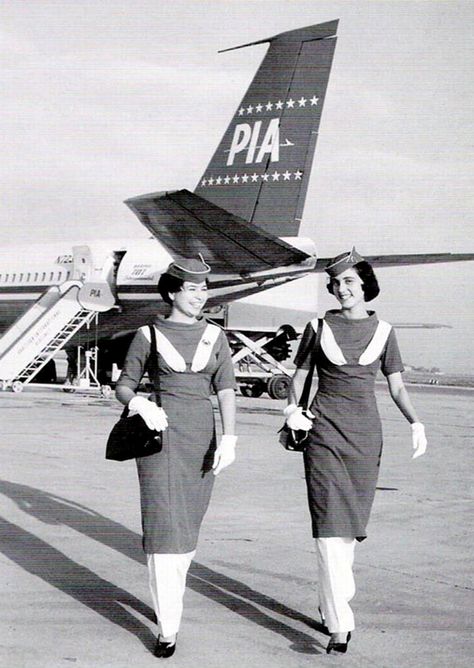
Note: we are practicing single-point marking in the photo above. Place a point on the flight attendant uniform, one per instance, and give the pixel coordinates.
(342, 458)
(176, 483)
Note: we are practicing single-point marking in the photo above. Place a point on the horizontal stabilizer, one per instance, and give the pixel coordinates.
(188, 224)
(399, 260)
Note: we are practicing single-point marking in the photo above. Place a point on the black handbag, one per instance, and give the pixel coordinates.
(130, 437)
(294, 441)
(297, 440)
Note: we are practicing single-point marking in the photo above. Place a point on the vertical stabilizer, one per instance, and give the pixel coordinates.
(262, 166)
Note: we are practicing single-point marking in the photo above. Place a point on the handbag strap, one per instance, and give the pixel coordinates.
(153, 369)
(304, 400)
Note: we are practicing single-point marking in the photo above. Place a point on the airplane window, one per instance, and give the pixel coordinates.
(36, 276)
(21, 278)
(59, 275)
(67, 275)
(6, 277)
(28, 277)
(44, 276)
(51, 276)
(13, 278)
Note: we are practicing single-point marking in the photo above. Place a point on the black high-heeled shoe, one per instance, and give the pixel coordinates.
(163, 650)
(338, 646)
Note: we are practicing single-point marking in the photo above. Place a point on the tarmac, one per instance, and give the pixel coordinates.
(74, 587)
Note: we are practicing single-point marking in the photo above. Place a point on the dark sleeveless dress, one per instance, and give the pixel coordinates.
(176, 483)
(343, 456)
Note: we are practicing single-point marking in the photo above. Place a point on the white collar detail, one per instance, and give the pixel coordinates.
(330, 346)
(174, 359)
(335, 355)
(377, 343)
(205, 346)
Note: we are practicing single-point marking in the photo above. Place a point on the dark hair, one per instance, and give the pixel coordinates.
(370, 285)
(167, 284)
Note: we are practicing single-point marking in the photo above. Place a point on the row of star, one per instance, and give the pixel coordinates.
(253, 178)
(290, 104)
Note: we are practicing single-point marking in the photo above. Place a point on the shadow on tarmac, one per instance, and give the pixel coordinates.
(41, 559)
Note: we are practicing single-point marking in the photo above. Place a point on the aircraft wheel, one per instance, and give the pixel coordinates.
(278, 386)
(106, 391)
(17, 386)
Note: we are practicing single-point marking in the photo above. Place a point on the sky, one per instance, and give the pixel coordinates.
(106, 100)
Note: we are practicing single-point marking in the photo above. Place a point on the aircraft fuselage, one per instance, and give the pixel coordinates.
(131, 269)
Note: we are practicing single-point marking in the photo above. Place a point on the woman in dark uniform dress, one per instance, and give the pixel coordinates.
(176, 483)
(345, 439)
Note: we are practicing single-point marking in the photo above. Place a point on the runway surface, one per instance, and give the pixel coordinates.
(73, 583)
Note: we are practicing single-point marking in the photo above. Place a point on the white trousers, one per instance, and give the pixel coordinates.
(336, 582)
(167, 578)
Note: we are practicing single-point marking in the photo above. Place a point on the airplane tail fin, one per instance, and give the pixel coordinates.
(261, 168)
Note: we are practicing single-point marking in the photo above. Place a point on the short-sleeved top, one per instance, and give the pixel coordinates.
(353, 337)
(219, 371)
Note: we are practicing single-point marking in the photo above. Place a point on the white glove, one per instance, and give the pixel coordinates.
(153, 416)
(418, 439)
(295, 419)
(224, 454)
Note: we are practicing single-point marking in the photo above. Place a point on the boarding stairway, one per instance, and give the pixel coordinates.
(34, 339)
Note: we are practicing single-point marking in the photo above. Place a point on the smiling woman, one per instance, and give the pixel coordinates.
(342, 458)
(176, 483)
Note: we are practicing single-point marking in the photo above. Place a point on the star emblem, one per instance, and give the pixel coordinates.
(279, 105)
(290, 103)
(314, 101)
(286, 175)
(259, 108)
(218, 181)
(235, 178)
(269, 106)
(227, 179)
(298, 175)
(276, 176)
(203, 182)
(265, 177)
(245, 178)
(302, 102)
(241, 111)
(210, 181)
(254, 177)
(249, 109)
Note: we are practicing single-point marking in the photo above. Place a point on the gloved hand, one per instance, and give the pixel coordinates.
(295, 419)
(153, 416)
(224, 454)
(418, 439)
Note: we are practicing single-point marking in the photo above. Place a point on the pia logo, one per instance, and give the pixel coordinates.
(246, 138)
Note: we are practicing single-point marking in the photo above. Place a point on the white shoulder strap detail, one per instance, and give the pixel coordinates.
(166, 349)
(315, 324)
(330, 346)
(377, 343)
(205, 346)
